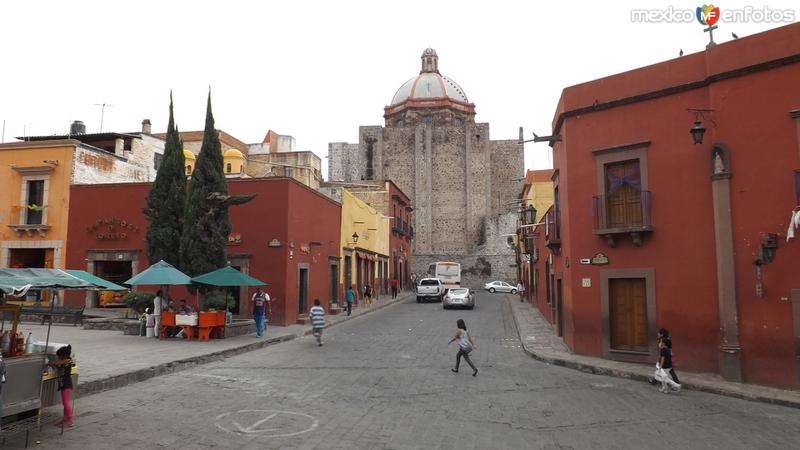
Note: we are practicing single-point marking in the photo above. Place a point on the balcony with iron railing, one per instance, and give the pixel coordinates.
(552, 231)
(618, 215)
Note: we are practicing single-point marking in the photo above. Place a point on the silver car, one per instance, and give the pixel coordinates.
(500, 286)
(458, 297)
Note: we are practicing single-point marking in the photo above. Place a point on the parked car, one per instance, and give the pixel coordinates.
(458, 297)
(500, 286)
(430, 288)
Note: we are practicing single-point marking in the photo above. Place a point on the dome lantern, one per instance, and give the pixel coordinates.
(430, 61)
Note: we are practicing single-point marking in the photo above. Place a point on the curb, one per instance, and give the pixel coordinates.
(125, 379)
(636, 376)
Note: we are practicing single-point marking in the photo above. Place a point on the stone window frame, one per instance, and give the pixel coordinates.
(649, 274)
(23, 197)
(620, 153)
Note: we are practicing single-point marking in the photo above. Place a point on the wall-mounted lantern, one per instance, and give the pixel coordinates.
(355, 238)
(698, 130)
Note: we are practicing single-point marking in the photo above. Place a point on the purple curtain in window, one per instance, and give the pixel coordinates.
(632, 179)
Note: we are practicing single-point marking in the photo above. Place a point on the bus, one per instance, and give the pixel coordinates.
(449, 273)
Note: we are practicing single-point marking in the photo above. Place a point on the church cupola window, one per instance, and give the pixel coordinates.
(430, 61)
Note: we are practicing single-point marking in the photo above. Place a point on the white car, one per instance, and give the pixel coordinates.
(500, 286)
(458, 297)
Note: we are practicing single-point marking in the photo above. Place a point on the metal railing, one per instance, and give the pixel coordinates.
(612, 214)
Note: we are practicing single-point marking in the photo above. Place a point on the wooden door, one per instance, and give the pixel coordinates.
(625, 202)
(628, 314)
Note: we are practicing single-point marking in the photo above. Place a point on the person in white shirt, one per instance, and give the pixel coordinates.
(465, 346)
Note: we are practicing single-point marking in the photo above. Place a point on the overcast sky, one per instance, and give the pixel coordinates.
(317, 70)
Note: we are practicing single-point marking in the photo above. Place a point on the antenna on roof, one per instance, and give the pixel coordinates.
(102, 112)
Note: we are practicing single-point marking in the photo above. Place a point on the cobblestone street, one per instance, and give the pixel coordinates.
(383, 381)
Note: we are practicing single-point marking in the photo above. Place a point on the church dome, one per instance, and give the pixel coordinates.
(429, 89)
(429, 85)
(233, 153)
(187, 155)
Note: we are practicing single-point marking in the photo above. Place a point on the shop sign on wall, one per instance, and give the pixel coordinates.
(111, 229)
(600, 259)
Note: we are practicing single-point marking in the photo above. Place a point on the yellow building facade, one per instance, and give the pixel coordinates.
(364, 244)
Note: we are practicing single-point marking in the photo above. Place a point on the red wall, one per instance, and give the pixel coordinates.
(283, 209)
(751, 118)
(397, 242)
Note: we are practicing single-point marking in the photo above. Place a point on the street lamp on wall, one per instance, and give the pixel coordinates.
(698, 130)
(355, 238)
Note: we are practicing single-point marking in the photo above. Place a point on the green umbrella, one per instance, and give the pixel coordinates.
(160, 273)
(227, 276)
(102, 285)
(18, 281)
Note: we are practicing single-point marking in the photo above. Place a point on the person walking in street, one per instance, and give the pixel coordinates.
(317, 314)
(63, 365)
(349, 296)
(260, 304)
(367, 295)
(465, 346)
(520, 290)
(664, 364)
(394, 287)
(664, 336)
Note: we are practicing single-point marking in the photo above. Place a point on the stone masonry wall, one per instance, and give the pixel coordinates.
(342, 161)
(508, 166)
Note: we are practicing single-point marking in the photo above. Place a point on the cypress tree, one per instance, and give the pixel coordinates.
(207, 225)
(165, 200)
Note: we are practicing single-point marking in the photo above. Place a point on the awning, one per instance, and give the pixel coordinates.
(18, 281)
(366, 256)
(103, 285)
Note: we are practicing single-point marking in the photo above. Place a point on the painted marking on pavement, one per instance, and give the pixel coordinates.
(266, 422)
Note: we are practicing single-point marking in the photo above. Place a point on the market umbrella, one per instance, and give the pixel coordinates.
(227, 276)
(160, 273)
(102, 285)
(18, 281)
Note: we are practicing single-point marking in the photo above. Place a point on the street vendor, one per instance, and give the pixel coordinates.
(184, 308)
(158, 305)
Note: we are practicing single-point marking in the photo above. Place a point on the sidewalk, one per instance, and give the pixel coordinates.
(539, 340)
(108, 359)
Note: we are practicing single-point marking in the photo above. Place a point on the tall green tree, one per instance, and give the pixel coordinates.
(166, 199)
(207, 225)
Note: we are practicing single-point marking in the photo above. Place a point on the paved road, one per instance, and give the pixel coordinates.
(384, 382)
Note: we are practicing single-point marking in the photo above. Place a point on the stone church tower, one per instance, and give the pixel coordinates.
(463, 184)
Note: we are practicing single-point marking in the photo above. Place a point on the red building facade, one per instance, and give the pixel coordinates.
(287, 236)
(651, 230)
(402, 234)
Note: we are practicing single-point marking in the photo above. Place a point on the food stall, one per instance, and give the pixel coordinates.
(29, 385)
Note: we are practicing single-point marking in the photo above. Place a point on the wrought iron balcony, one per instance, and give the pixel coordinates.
(616, 215)
(552, 231)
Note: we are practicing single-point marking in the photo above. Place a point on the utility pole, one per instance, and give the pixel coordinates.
(102, 113)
